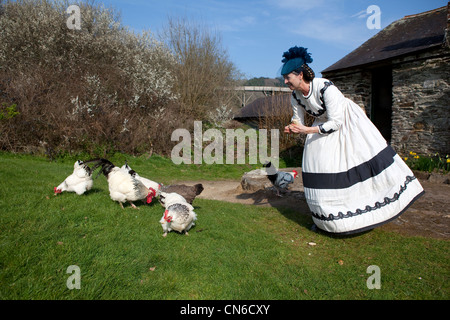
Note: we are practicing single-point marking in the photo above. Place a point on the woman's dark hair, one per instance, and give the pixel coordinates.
(308, 73)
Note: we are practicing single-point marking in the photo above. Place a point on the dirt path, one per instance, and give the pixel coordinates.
(429, 216)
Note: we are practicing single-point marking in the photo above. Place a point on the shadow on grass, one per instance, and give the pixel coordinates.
(293, 206)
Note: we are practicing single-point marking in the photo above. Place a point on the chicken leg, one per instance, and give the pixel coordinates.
(132, 205)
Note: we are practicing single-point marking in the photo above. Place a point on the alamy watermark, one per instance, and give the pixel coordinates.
(235, 139)
(74, 20)
(74, 281)
(374, 20)
(374, 281)
(372, 15)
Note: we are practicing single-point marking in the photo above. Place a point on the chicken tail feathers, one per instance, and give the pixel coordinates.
(92, 160)
(105, 164)
(198, 189)
(271, 170)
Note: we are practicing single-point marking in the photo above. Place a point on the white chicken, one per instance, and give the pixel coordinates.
(79, 181)
(123, 186)
(179, 215)
(147, 182)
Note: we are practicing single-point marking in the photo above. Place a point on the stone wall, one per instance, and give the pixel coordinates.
(355, 85)
(421, 103)
(420, 99)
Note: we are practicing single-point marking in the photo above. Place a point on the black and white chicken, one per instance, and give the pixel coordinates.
(79, 181)
(187, 192)
(179, 215)
(123, 186)
(280, 179)
(147, 182)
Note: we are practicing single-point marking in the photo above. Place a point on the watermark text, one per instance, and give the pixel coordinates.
(74, 281)
(234, 143)
(74, 20)
(374, 20)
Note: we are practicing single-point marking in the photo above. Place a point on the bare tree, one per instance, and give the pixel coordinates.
(204, 68)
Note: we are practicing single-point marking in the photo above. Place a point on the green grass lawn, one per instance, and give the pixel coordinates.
(234, 252)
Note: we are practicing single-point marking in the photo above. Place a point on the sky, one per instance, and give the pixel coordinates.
(255, 33)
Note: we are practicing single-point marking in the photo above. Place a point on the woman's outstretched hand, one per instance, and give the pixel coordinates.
(300, 128)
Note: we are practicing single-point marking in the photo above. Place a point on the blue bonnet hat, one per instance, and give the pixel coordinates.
(294, 58)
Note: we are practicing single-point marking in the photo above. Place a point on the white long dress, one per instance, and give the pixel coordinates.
(353, 180)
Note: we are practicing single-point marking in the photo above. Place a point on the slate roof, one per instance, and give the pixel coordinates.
(271, 105)
(407, 35)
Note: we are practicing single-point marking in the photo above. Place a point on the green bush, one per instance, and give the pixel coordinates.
(8, 112)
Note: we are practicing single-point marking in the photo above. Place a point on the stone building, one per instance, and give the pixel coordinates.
(401, 77)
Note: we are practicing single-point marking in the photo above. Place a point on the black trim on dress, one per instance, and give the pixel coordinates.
(322, 130)
(368, 208)
(373, 226)
(322, 91)
(360, 173)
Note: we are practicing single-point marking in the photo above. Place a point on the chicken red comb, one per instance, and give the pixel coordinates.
(150, 195)
(166, 217)
(295, 173)
(56, 190)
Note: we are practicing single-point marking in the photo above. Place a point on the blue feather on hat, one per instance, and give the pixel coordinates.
(294, 58)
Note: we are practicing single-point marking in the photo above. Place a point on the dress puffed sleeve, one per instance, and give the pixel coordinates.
(334, 102)
(298, 112)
